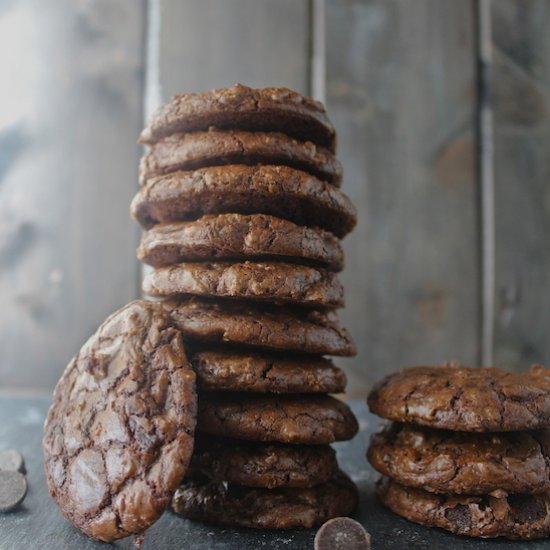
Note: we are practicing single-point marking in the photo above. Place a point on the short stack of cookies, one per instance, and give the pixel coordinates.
(468, 449)
(242, 212)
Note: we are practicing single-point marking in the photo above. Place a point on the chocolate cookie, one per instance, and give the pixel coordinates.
(243, 108)
(275, 190)
(274, 282)
(247, 372)
(465, 463)
(465, 398)
(222, 147)
(275, 328)
(267, 465)
(238, 237)
(514, 516)
(119, 434)
(290, 508)
(297, 419)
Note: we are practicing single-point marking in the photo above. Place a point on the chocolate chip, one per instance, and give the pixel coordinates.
(342, 534)
(526, 508)
(11, 461)
(460, 516)
(13, 488)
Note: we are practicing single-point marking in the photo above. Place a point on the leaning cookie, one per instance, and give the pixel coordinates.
(515, 516)
(465, 463)
(235, 506)
(471, 399)
(296, 419)
(264, 465)
(119, 435)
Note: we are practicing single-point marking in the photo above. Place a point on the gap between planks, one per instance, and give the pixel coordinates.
(486, 179)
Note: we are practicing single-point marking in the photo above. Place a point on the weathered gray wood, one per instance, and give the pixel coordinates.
(401, 90)
(207, 44)
(40, 524)
(70, 112)
(521, 112)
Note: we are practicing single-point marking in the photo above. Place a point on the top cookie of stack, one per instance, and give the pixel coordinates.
(243, 213)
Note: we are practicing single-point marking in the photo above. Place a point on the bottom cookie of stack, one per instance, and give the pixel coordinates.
(231, 505)
(514, 516)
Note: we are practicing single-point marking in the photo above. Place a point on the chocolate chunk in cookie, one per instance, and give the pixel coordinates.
(460, 462)
(243, 108)
(248, 372)
(268, 465)
(275, 190)
(274, 282)
(276, 328)
(297, 419)
(237, 237)
(218, 147)
(465, 398)
(119, 434)
(290, 508)
(514, 516)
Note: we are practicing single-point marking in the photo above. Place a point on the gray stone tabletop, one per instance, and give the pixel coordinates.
(38, 524)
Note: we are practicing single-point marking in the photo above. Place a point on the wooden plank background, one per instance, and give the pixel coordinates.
(258, 43)
(401, 90)
(70, 106)
(401, 83)
(520, 87)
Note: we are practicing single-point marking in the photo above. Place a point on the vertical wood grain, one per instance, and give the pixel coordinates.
(401, 89)
(520, 88)
(70, 112)
(207, 44)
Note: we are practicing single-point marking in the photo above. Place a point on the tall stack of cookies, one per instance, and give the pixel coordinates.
(468, 449)
(242, 212)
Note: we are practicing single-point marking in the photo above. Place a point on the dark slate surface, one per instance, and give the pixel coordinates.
(39, 524)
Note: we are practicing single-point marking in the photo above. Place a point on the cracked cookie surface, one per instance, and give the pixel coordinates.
(274, 282)
(244, 108)
(275, 328)
(267, 465)
(248, 372)
(515, 516)
(239, 237)
(235, 506)
(119, 435)
(466, 463)
(462, 398)
(223, 147)
(296, 419)
(275, 190)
